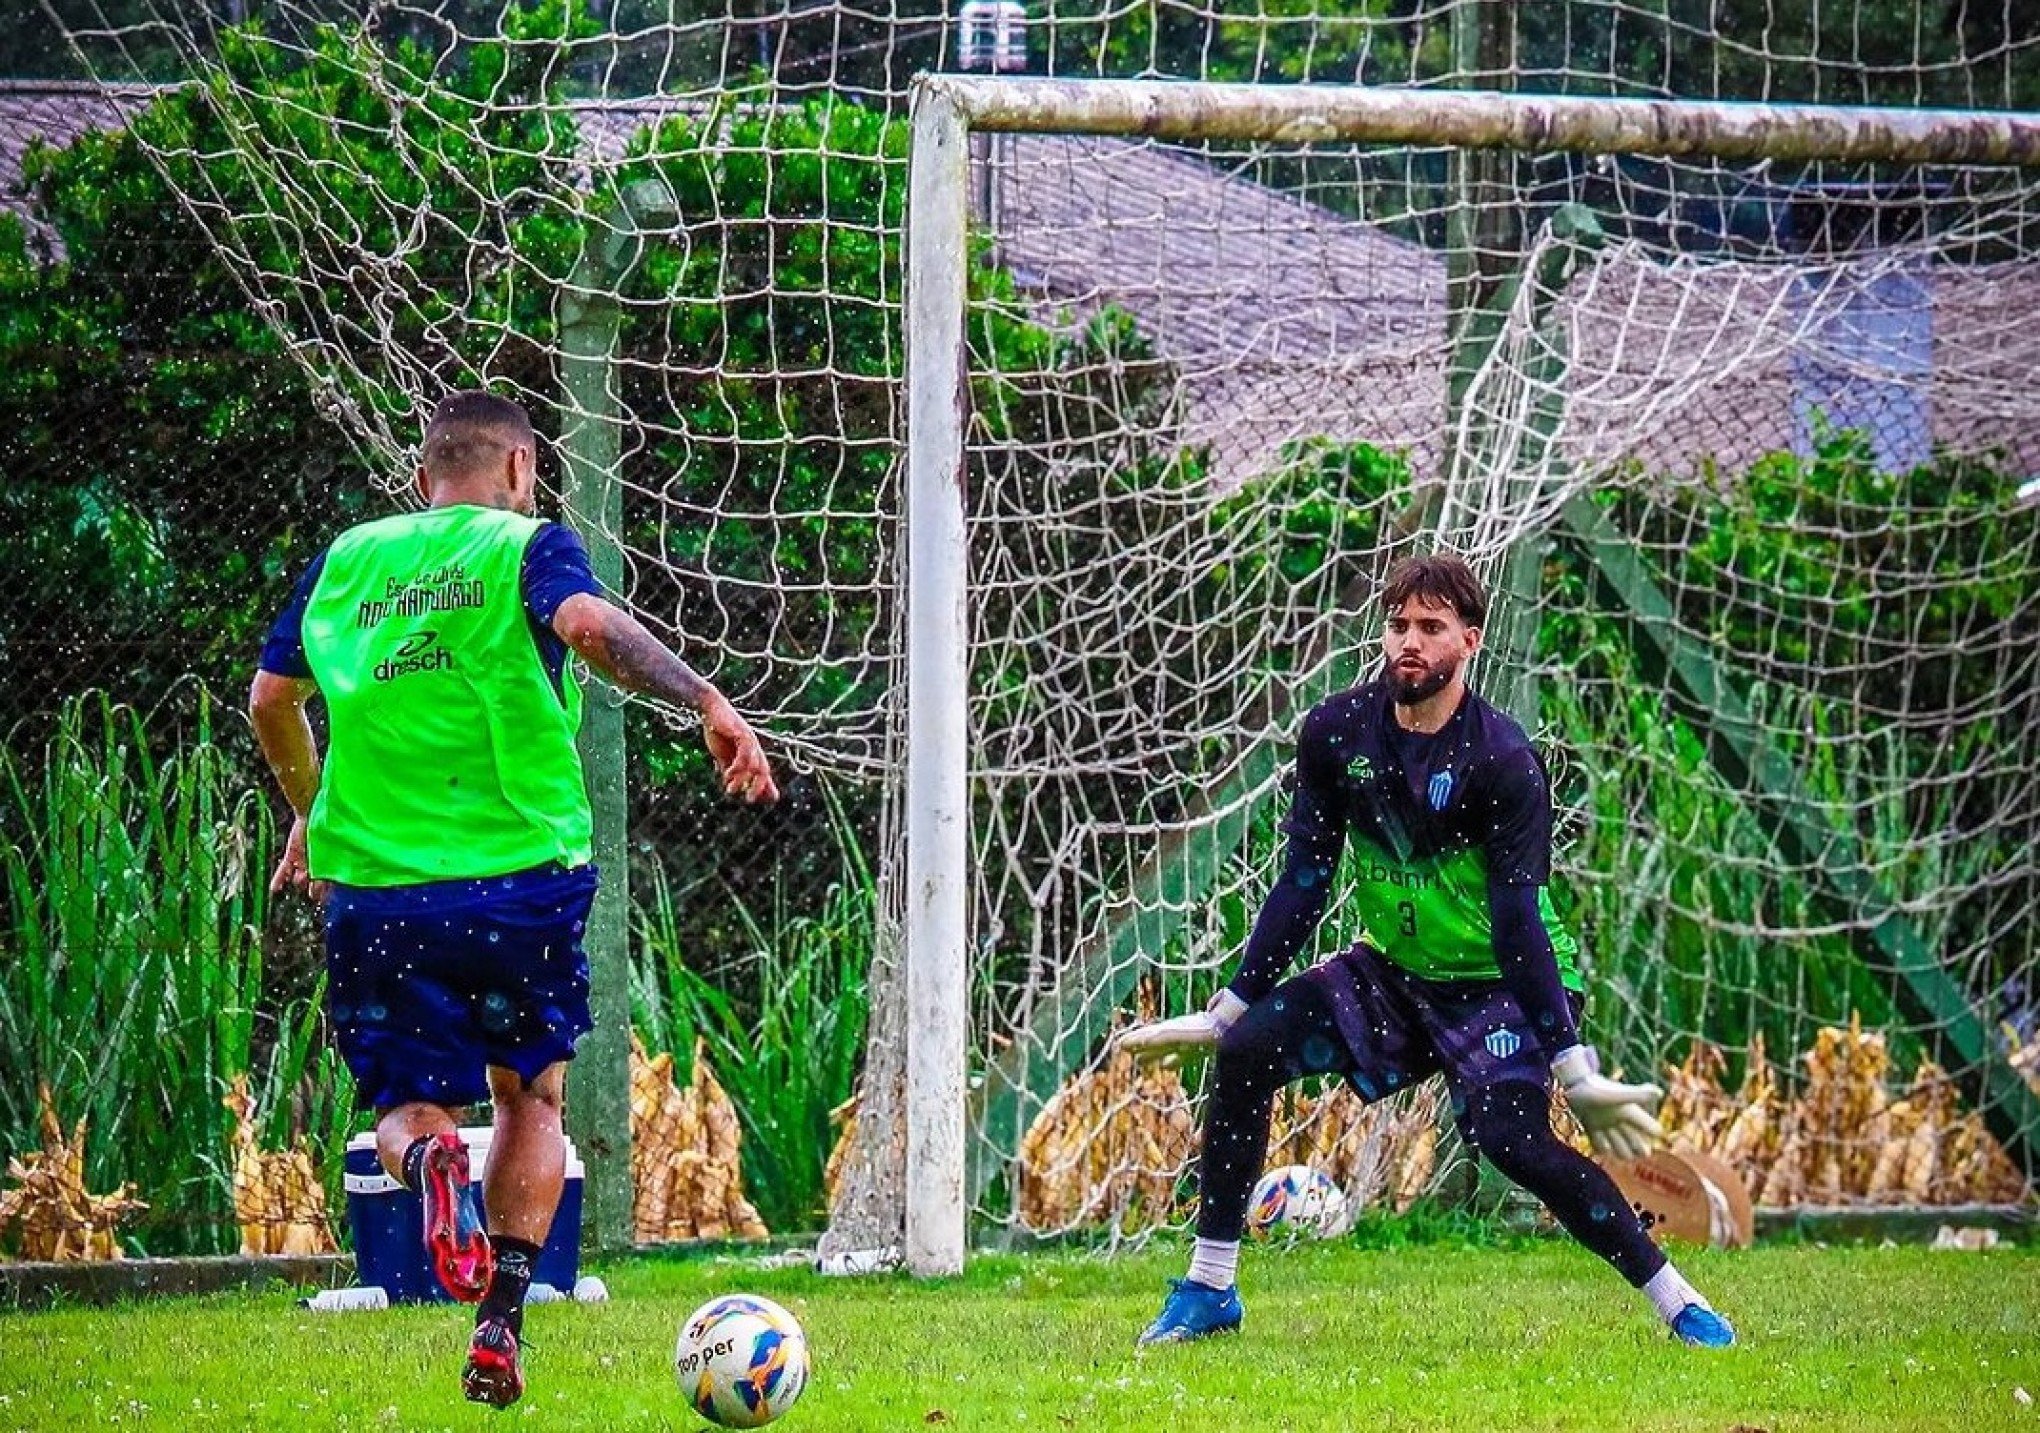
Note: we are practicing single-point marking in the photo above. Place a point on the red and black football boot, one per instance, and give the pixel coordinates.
(453, 1227)
(493, 1375)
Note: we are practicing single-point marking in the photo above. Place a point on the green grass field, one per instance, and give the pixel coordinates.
(1518, 1335)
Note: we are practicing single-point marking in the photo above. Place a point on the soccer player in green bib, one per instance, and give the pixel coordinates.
(1462, 967)
(447, 831)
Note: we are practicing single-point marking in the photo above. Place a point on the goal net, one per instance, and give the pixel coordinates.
(1732, 406)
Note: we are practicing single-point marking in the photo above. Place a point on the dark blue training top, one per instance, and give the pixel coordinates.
(555, 568)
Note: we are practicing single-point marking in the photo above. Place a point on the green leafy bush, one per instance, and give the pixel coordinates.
(1868, 619)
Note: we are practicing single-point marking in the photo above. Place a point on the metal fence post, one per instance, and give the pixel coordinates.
(598, 1107)
(598, 1104)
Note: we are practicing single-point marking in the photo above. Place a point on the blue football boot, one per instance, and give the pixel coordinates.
(1700, 1327)
(1194, 1311)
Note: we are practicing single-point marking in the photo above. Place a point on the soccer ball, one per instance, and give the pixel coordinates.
(1298, 1201)
(741, 1360)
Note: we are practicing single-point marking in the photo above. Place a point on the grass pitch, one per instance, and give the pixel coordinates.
(1515, 1335)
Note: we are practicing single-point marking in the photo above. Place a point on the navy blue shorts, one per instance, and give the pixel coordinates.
(430, 984)
(1400, 1028)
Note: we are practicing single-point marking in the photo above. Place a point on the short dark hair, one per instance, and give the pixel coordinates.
(468, 427)
(1441, 577)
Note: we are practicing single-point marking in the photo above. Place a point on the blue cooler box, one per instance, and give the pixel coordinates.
(388, 1223)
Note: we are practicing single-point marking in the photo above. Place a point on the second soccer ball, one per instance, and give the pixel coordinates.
(1297, 1201)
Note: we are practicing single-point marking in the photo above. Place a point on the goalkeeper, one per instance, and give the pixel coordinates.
(1462, 966)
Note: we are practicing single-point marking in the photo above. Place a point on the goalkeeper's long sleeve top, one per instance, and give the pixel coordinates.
(1451, 837)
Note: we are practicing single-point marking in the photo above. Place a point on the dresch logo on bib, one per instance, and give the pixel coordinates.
(417, 654)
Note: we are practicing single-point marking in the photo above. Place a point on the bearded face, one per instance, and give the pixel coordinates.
(1425, 645)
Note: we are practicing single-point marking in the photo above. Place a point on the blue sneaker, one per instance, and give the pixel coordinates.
(1194, 1311)
(1700, 1327)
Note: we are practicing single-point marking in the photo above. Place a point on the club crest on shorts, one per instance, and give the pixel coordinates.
(1440, 790)
(1503, 1043)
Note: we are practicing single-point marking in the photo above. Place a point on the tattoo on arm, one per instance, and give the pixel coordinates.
(637, 660)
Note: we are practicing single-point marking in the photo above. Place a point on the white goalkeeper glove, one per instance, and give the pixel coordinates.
(1170, 1040)
(1619, 1119)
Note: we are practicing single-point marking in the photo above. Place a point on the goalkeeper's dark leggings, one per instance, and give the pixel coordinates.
(1272, 1047)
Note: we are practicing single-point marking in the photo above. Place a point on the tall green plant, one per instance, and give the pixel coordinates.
(1868, 619)
(131, 959)
(783, 1023)
(1680, 895)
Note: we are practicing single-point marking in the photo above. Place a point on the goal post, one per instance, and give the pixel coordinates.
(946, 110)
(1477, 119)
(938, 753)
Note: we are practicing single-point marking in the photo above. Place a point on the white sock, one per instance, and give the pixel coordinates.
(1670, 1292)
(1215, 1263)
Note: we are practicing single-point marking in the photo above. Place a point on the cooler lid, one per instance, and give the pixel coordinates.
(477, 1138)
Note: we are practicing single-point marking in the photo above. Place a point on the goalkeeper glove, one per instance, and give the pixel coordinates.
(1169, 1040)
(1618, 1118)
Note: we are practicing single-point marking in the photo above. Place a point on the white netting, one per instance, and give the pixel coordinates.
(1724, 373)
(1215, 386)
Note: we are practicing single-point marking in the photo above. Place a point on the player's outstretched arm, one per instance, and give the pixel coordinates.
(1185, 1034)
(618, 645)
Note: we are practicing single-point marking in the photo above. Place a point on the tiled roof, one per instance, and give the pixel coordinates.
(55, 113)
(1288, 321)
(1285, 319)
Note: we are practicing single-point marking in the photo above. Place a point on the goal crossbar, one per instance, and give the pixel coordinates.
(946, 109)
(1486, 119)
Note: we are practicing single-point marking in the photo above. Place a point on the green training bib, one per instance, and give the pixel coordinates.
(450, 755)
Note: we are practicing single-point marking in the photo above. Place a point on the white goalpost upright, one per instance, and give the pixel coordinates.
(946, 109)
(938, 754)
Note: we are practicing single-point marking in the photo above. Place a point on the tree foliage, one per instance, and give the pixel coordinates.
(1906, 52)
(758, 374)
(1869, 620)
(164, 470)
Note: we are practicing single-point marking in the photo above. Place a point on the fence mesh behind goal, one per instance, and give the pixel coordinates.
(1738, 443)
